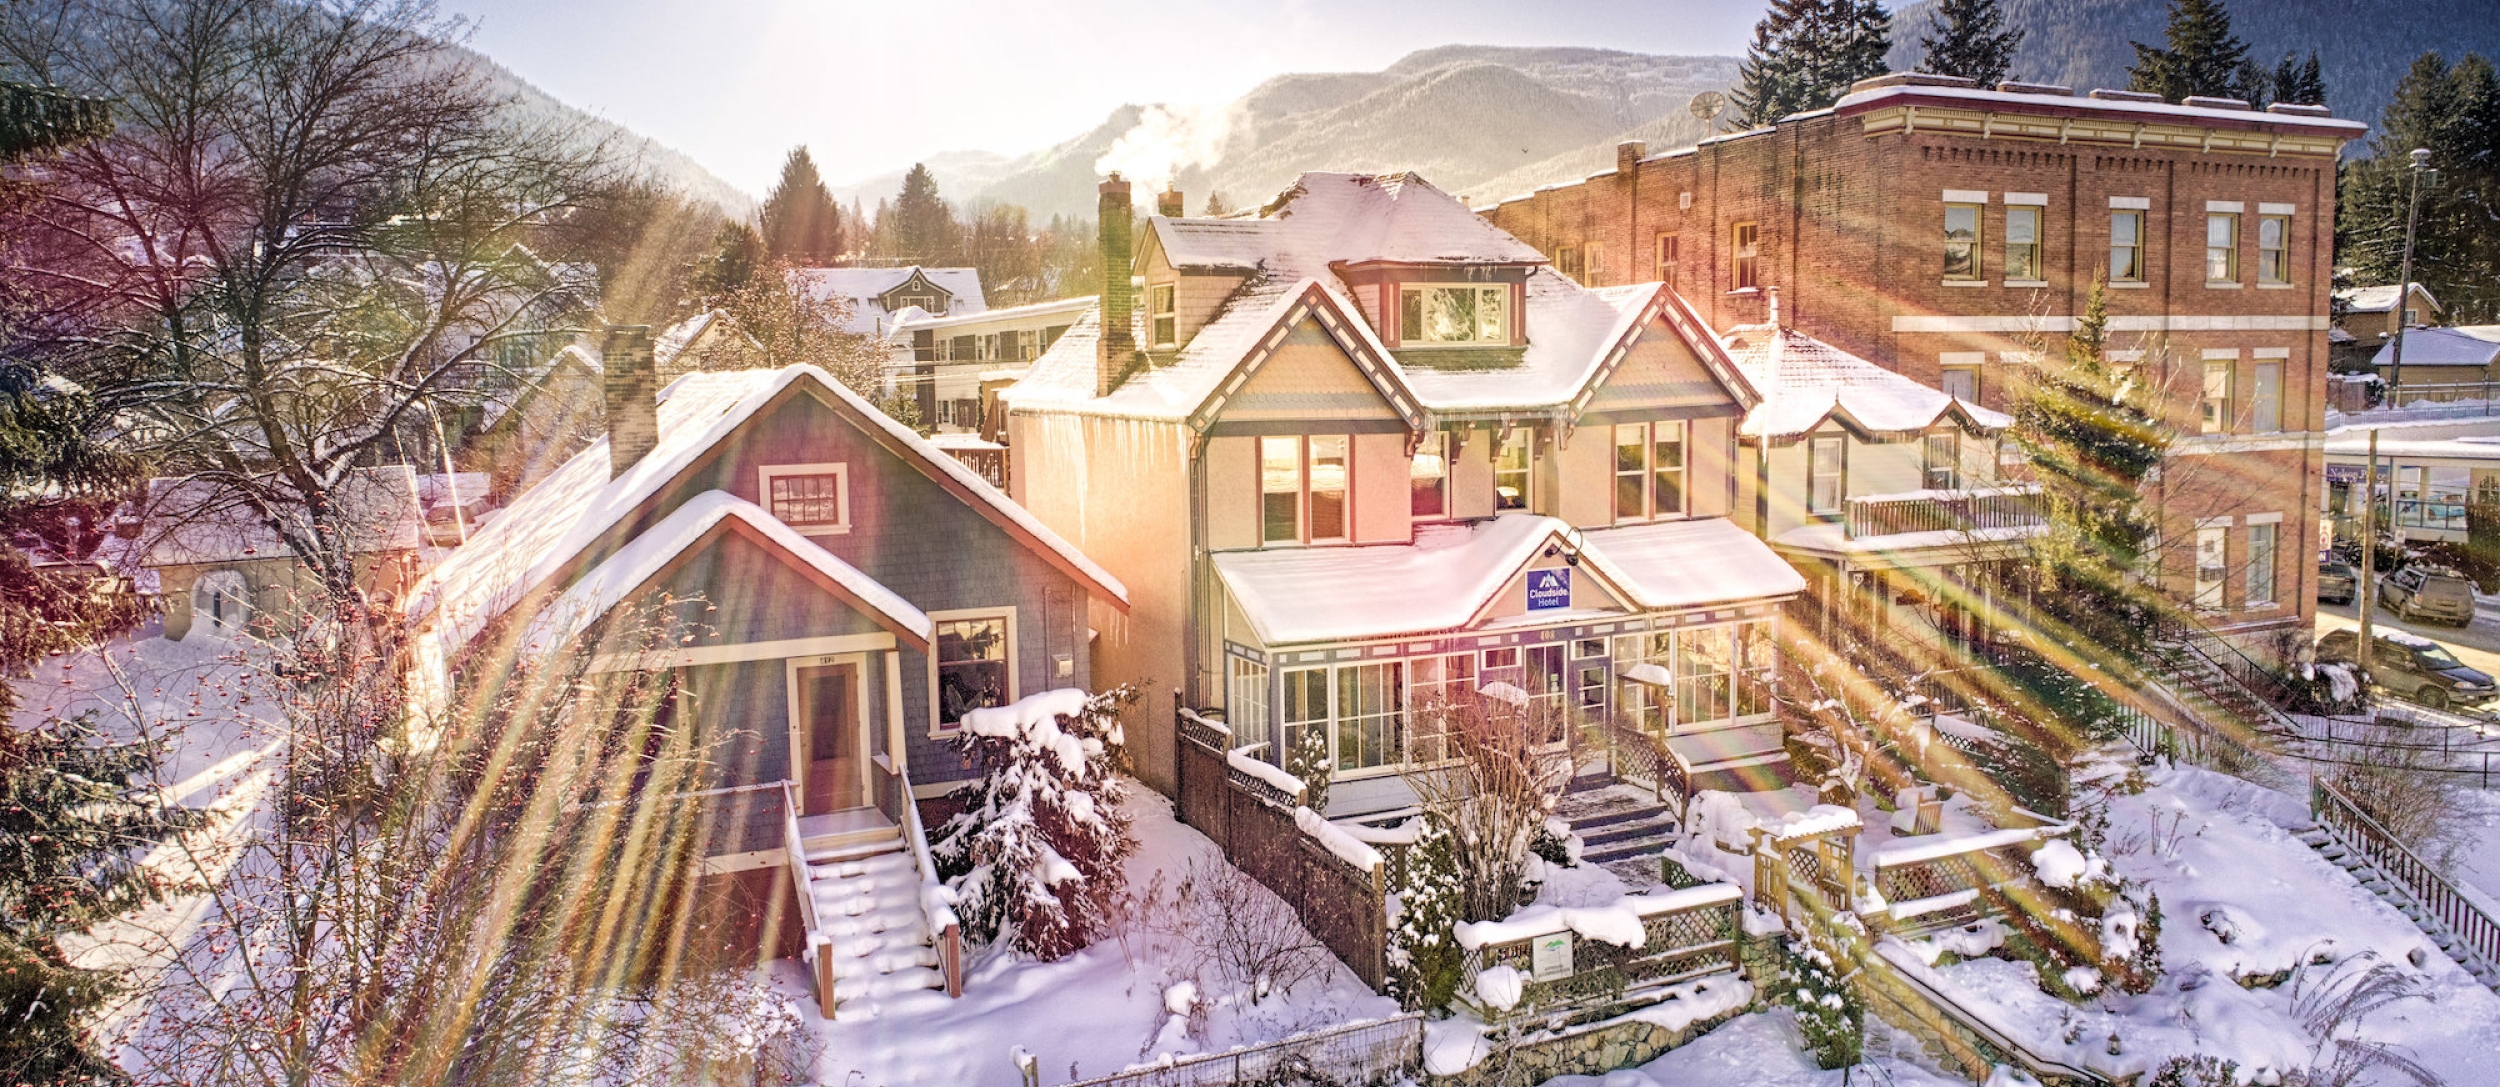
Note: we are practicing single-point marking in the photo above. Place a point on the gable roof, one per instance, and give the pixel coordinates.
(862, 287)
(2378, 299)
(1804, 381)
(544, 532)
(191, 521)
(705, 518)
(1302, 243)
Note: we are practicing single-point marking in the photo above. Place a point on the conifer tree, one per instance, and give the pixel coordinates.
(1806, 53)
(924, 228)
(1217, 205)
(1969, 38)
(2299, 83)
(1424, 955)
(802, 224)
(2201, 56)
(2453, 111)
(737, 251)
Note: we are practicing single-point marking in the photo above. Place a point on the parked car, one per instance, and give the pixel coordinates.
(2336, 582)
(2431, 593)
(2414, 667)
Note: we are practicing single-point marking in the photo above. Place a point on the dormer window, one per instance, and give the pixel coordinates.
(1433, 315)
(1166, 317)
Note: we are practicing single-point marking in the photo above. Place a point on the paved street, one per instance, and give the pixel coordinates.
(2477, 645)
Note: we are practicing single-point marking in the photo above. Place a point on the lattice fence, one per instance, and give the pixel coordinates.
(1370, 1054)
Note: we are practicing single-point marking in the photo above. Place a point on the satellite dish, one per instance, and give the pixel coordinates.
(1707, 105)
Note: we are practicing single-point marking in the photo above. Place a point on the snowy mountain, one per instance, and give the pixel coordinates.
(2363, 50)
(1482, 121)
(662, 163)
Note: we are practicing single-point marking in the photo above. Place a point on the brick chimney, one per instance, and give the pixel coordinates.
(1168, 204)
(1628, 154)
(633, 396)
(1117, 347)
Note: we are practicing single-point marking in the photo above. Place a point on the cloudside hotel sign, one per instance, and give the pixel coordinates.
(1549, 590)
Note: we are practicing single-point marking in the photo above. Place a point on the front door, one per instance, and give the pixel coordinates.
(828, 723)
(1546, 685)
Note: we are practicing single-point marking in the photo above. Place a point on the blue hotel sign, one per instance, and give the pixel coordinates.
(1549, 590)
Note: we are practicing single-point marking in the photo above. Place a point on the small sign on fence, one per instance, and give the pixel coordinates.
(1549, 958)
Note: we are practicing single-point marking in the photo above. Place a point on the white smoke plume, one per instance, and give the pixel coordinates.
(1167, 140)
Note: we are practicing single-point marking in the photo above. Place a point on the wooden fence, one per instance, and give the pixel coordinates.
(2343, 819)
(1684, 935)
(1944, 881)
(1252, 818)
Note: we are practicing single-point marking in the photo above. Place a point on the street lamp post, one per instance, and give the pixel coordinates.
(2421, 172)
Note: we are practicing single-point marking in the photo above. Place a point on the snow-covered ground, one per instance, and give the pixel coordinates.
(2241, 899)
(1763, 1049)
(1092, 1014)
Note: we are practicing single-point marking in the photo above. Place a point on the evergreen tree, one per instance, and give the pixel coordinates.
(1969, 38)
(2202, 56)
(1217, 205)
(75, 804)
(737, 251)
(2453, 111)
(2299, 83)
(1424, 957)
(1829, 1011)
(924, 229)
(1806, 53)
(802, 224)
(1036, 856)
(2091, 439)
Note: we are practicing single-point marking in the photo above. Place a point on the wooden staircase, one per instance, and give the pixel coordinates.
(869, 938)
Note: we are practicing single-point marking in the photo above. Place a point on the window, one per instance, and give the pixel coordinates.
(1434, 682)
(2265, 402)
(1666, 258)
(1454, 315)
(2274, 249)
(1744, 274)
(1567, 261)
(1306, 707)
(1824, 473)
(2413, 317)
(1944, 461)
(2216, 413)
(1302, 489)
(1246, 707)
(1167, 322)
(1592, 265)
(2126, 247)
(1428, 477)
(1649, 470)
(1501, 658)
(812, 498)
(2222, 247)
(2210, 567)
(1757, 665)
(972, 669)
(1962, 383)
(1591, 698)
(1701, 675)
(2260, 592)
(1961, 241)
(1371, 718)
(2022, 244)
(1514, 469)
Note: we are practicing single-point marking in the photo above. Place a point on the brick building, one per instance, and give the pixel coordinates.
(1936, 228)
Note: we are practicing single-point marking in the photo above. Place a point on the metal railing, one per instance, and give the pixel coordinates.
(2343, 819)
(1373, 1054)
(1974, 510)
(819, 946)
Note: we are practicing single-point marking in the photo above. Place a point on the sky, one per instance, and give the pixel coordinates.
(873, 87)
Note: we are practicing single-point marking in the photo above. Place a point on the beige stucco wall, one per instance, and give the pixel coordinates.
(1383, 496)
(1233, 513)
(1585, 479)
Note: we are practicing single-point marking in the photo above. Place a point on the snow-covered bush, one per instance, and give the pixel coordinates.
(1424, 958)
(1492, 792)
(1307, 759)
(2199, 1071)
(1034, 859)
(1829, 1013)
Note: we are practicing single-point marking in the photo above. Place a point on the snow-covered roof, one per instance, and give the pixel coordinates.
(2462, 345)
(2377, 299)
(188, 521)
(546, 529)
(1446, 578)
(622, 574)
(1037, 314)
(2356, 444)
(2070, 104)
(861, 287)
(1804, 381)
(1291, 258)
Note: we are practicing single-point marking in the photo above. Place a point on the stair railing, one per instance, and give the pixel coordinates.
(2348, 824)
(819, 953)
(937, 902)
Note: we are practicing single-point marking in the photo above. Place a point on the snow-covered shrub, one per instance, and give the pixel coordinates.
(1227, 927)
(1034, 858)
(2131, 944)
(2199, 1071)
(1829, 1013)
(1553, 846)
(1307, 759)
(1424, 957)
(1492, 792)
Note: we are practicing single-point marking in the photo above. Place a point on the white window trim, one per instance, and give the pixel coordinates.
(841, 499)
(1014, 681)
(2027, 199)
(2131, 203)
(1966, 196)
(1406, 337)
(2271, 353)
(2235, 207)
(1649, 472)
(2260, 519)
(2278, 209)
